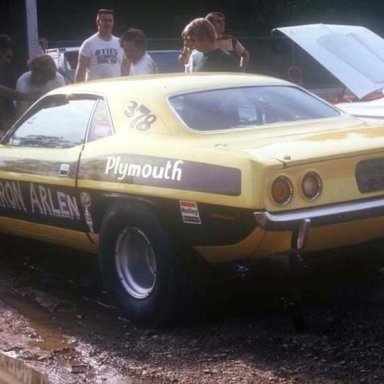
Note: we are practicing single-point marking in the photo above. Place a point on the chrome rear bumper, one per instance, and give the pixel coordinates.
(300, 221)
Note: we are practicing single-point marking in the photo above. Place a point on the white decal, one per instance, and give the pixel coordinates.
(11, 196)
(190, 212)
(170, 171)
(46, 201)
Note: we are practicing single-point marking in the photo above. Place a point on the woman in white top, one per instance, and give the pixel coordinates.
(41, 78)
(134, 44)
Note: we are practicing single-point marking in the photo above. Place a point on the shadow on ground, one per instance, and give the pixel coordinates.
(243, 334)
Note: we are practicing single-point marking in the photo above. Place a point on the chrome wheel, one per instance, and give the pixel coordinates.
(135, 262)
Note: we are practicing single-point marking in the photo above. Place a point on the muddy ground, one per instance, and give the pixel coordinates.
(56, 319)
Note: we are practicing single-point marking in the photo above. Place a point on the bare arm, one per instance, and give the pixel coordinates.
(9, 93)
(241, 53)
(184, 55)
(21, 107)
(244, 60)
(81, 69)
(125, 67)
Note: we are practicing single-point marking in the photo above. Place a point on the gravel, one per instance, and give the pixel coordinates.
(55, 318)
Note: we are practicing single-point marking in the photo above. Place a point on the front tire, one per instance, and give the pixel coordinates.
(139, 265)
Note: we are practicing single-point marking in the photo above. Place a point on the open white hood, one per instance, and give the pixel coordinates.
(353, 54)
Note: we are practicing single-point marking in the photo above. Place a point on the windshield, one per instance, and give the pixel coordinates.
(248, 106)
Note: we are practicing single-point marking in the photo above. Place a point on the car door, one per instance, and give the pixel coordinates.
(38, 166)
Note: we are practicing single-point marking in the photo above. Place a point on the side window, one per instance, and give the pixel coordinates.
(57, 121)
(101, 125)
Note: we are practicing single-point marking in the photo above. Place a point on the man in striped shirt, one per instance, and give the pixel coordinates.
(226, 42)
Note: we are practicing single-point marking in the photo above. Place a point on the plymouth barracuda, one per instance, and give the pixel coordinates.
(157, 174)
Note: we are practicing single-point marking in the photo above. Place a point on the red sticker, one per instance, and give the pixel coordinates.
(190, 212)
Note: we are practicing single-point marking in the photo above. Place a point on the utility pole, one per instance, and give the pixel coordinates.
(33, 46)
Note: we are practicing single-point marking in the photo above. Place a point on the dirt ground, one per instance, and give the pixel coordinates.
(56, 319)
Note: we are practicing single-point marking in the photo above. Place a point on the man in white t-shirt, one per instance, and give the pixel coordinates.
(101, 55)
(134, 44)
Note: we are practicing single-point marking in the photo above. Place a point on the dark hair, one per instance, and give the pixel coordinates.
(211, 16)
(136, 36)
(6, 43)
(103, 11)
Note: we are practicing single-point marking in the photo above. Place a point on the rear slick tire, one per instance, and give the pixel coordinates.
(138, 264)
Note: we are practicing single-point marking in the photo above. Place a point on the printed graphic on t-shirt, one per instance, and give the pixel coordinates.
(106, 56)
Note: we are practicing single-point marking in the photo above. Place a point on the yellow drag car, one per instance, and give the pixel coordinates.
(156, 173)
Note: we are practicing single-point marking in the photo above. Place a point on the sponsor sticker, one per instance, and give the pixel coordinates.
(86, 202)
(189, 212)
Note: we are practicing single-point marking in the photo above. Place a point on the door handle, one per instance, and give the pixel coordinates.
(64, 170)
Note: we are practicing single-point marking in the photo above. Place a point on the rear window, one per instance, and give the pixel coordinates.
(248, 106)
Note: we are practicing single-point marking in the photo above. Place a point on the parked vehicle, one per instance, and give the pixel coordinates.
(370, 110)
(66, 61)
(354, 55)
(167, 60)
(161, 174)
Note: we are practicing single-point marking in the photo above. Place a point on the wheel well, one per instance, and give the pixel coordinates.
(178, 273)
(117, 205)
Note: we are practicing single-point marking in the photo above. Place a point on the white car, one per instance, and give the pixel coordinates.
(366, 110)
(66, 61)
(354, 55)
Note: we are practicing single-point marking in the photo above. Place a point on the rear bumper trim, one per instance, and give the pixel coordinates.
(300, 221)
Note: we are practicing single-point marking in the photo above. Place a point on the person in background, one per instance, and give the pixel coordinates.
(134, 44)
(200, 34)
(226, 42)
(41, 78)
(101, 55)
(185, 56)
(7, 94)
(7, 50)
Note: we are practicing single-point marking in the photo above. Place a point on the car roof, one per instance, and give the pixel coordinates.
(152, 94)
(64, 49)
(353, 54)
(167, 84)
(152, 91)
